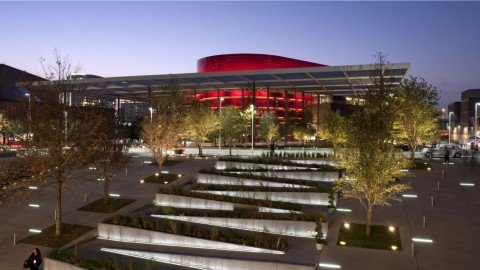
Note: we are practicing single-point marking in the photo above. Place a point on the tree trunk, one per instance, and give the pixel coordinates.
(200, 150)
(230, 150)
(412, 153)
(369, 220)
(106, 198)
(58, 215)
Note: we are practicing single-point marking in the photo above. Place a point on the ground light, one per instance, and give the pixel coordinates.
(34, 205)
(409, 196)
(166, 182)
(35, 230)
(344, 210)
(179, 175)
(422, 240)
(343, 243)
(142, 181)
(114, 195)
(100, 179)
(391, 229)
(346, 225)
(164, 172)
(329, 265)
(467, 184)
(32, 187)
(394, 247)
(156, 174)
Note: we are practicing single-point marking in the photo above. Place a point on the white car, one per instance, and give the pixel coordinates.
(440, 150)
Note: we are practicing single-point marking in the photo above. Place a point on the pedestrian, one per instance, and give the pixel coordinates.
(447, 155)
(34, 261)
(272, 147)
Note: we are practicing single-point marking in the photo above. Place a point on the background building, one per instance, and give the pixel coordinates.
(463, 114)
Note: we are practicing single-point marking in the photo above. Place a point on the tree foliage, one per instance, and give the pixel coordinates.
(416, 122)
(232, 125)
(371, 161)
(269, 127)
(333, 129)
(198, 123)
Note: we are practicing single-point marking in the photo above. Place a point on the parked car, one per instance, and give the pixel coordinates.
(473, 139)
(440, 150)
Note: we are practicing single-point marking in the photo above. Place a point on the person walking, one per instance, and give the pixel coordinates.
(34, 261)
(447, 156)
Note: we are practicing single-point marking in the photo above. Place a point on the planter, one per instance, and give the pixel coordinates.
(141, 236)
(313, 161)
(222, 165)
(281, 227)
(316, 176)
(319, 246)
(211, 263)
(215, 179)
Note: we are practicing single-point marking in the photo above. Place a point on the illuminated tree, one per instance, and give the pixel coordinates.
(332, 129)
(232, 125)
(370, 159)
(269, 127)
(417, 115)
(198, 123)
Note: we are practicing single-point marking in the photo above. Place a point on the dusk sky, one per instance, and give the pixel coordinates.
(441, 40)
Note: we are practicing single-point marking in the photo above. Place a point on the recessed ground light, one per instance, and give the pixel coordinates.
(467, 184)
(100, 179)
(344, 210)
(343, 243)
(179, 175)
(157, 174)
(346, 225)
(147, 162)
(394, 247)
(429, 168)
(142, 181)
(329, 265)
(35, 230)
(423, 240)
(32, 187)
(164, 172)
(34, 205)
(391, 228)
(409, 196)
(114, 195)
(165, 182)
(404, 170)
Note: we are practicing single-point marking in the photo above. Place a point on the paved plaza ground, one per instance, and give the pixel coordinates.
(452, 222)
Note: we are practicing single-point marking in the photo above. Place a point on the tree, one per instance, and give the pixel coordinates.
(232, 125)
(370, 159)
(416, 102)
(10, 127)
(247, 120)
(198, 123)
(161, 131)
(107, 155)
(161, 134)
(332, 129)
(63, 133)
(268, 127)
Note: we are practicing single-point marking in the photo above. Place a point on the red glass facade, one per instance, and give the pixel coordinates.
(276, 101)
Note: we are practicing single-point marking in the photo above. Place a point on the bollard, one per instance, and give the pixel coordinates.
(438, 185)
(126, 171)
(55, 215)
(432, 200)
(443, 173)
(14, 239)
(413, 249)
(423, 221)
(85, 197)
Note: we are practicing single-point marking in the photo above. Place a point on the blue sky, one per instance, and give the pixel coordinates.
(440, 39)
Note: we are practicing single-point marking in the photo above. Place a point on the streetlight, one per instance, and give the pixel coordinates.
(475, 124)
(151, 114)
(450, 127)
(251, 109)
(220, 129)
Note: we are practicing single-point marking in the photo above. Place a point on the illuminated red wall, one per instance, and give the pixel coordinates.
(278, 102)
(243, 61)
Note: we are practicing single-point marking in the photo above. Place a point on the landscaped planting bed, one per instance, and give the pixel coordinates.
(308, 175)
(256, 188)
(257, 240)
(380, 238)
(161, 178)
(277, 161)
(47, 237)
(98, 206)
(249, 179)
(246, 201)
(268, 163)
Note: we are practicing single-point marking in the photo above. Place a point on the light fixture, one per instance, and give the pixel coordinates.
(394, 247)
(391, 228)
(422, 240)
(429, 168)
(164, 172)
(142, 181)
(343, 243)
(101, 179)
(344, 210)
(165, 182)
(147, 162)
(114, 195)
(179, 175)
(346, 225)
(34, 205)
(409, 196)
(35, 230)
(157, 174)
(329, 265)
(32, 187)
(467, 184)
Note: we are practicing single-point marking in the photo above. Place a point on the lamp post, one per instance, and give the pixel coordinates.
(151, 114)
(475, 124)
(251, 109)
(220, 128)
(29, 116)
(450, 127)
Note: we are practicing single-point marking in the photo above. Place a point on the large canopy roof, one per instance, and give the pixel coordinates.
(335, 80)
